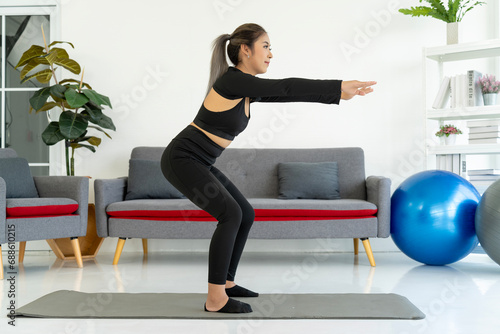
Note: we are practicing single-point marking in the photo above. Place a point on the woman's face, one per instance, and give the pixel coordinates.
(260, 55)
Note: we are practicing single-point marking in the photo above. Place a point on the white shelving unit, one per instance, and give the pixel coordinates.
(440, 56)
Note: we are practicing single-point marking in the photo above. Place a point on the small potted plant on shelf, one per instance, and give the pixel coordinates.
(489, 88)
(81, 107)
(448, 134)
(451, 15)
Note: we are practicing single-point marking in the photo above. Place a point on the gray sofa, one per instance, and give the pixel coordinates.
(40, 207)
(362, 212)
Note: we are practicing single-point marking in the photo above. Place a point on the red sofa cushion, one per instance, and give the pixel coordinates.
(40, 207)
(260, 214)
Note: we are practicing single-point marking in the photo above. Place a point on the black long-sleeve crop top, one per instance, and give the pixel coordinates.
(235, 84)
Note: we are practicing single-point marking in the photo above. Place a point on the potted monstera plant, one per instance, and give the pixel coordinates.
(81, 107)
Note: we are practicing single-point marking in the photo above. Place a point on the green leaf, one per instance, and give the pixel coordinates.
(94, 112)
(75, 99)
(75, 146)
(96, 141)
(417, 11)
(42, 76)
(37, 101)
(33, 63)
(72, 124)
(69, 64)
(97, 98)
(106, 122)
(59, 42)
(48, 106)
(52, 134)
(57, 91)
(99, 129)
(75, 81)
(33, 52)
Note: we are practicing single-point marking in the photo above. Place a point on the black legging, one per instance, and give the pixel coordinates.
(187, 163)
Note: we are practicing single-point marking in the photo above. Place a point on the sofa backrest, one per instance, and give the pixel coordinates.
(255, 171)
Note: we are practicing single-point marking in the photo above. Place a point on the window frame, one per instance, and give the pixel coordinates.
(51, 8)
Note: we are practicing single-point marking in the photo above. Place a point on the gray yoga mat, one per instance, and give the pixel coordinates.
(74, 304)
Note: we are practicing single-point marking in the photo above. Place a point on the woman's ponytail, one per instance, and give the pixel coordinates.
(218, 64)
(245, 34)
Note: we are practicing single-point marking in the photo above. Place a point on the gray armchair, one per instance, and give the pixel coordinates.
(40, 207)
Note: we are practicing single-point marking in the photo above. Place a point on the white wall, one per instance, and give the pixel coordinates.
(151, 58)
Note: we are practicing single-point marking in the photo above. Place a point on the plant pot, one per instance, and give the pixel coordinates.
(450, 140)
(490, 99)
(452, 32)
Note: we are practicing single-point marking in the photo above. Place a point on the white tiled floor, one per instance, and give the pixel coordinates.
(460, 298)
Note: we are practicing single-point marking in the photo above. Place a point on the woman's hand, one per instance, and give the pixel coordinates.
(355, 87)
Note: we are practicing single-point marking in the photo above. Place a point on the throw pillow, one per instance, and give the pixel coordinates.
(313, 180)
(18, 179)
(146, 181)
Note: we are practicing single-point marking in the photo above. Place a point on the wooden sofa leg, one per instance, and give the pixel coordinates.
(1, 263)
(356, 246)
(368, 250)
(76, 249)
(145, 246)
(119, 249)
(22, 250)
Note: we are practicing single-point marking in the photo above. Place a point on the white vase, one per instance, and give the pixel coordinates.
(452, 32)
(490, 99)
(450, 140)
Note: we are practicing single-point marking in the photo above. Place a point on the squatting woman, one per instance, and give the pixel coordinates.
(188, 161)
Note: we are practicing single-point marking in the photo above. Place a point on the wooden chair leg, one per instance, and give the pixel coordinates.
(368, 250)
(76, 250)
(356, 246)
(22, 250)
(145, 246)
(1, 263)
(119, 249)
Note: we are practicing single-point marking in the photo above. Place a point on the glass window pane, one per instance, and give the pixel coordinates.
(24, 130)
(21, 32)
(39, 170)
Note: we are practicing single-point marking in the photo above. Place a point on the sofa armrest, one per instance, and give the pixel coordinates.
(107, 191)
(74, 187)
(378, 190)
(3, 211)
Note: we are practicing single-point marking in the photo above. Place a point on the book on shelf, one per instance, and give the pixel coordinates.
(484, 177)
(449, 162)
(487, 171)
(482, 123)
(462, 90)
(484, 129)
(443, 95)
(484, 135)
(474, 94)
(485, 141)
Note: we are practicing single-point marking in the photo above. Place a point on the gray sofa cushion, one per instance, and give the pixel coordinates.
(146, 181)
(308, 180)
(277, 209)
(17, 175)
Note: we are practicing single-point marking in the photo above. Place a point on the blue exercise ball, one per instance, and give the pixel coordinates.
(488, 221)
(432, 217)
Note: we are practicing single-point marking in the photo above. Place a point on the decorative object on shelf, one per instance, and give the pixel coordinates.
(489, 88)
(448, 133)
(77, 105)
(451, 15)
